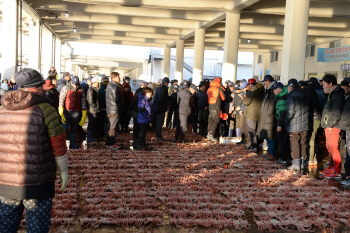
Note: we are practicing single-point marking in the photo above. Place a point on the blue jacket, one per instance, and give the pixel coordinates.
(203, 100)
(144, 109)
(85, 86)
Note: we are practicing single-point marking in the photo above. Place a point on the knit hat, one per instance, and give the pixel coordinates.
(268, 78)
(75, 80)
(193, 87)
(126, 85)
(230, 84)
(28, 77)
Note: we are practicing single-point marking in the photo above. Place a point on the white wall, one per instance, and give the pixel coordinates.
(244, 72)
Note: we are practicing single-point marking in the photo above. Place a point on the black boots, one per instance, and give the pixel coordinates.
(72, 142)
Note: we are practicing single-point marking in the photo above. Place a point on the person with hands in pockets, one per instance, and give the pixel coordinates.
(33, 144)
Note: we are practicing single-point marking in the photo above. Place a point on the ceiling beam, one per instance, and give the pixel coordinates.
(120, 42)
(63, 6)
(125, 20)
(117, 27)
(116, 38)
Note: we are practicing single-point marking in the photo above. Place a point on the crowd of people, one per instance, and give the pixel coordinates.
(37, 116)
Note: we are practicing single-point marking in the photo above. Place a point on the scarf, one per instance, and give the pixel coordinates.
(329, 90)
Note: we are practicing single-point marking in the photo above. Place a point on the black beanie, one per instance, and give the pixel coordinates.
(29, 78)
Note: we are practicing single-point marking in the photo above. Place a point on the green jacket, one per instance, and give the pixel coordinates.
(281, 106)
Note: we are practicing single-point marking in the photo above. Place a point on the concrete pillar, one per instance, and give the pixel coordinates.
(198, 59)
(9, 38)
(229, 69)
(34, 50)
(58, 49)
(166, 72)
(180, 49)
(294, 40)
(47, 51)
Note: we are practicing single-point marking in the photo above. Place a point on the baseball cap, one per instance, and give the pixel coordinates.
(75, 80)
(165, 80)
(313, 80)
(293, 82)
(230, 84)
(278, 85)
(94, 80)
(176, 87)
(185, 84)
(237, 87)
(202, 83)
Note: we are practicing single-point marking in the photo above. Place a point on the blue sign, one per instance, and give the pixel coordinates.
(260, 72)
(334, 54)
(345, 67)
(267, 71)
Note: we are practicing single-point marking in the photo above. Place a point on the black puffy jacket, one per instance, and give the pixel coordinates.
(92, 100)
(333, 109)
(114, 100)
(315, 110)
(297, 111)
(345, 116)
(161, 101)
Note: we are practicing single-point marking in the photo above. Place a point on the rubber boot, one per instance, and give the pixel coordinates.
(176, 137)
(296, 165)
(72, 142)
(89, 136)
(238, 133)
(182, 138)
(230, 133)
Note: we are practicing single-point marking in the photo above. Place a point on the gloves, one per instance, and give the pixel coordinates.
(60, 111)
(62, 167)
(83, 118)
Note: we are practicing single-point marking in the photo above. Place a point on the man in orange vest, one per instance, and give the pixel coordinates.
(216, 94)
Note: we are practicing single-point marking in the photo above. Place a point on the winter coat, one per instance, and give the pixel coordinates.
(12, 86)
(160, 101)
(202, 100)
(54, 96)
(321, 96)
(92, 100)
(345, 116)
(101, 94)
(173, 101)
(85, 86)
(253, 102)
(281, 106)
(60, 84)
(315, 110)
(228, 101)
(72, 99)
(267, 121)
(171, 90)
(184, 104)
(237, 102)
(333, 109)
(144, 105)
(128, 97)
(216, 95)
(114, 100)
(297, 111)
(31, 135)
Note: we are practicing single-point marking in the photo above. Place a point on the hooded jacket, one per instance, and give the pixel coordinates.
(281, 106)
(144, 105)
(31, 135)
(315, 110)
(333, 109)
(114, 100)
(101, 94)
(267, 121)
(216, 95)
(297, 111)
(253, 102)
(127, 96)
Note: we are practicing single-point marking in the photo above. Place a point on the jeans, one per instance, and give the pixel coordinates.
(347, 160)
(310, 140)
(298, 144)
(72, 119)
(92, 121)
(332, 143)
(113, 123)
(38, 214)
(143, 129)
(251, 128)
(213, 121)
(101, 122)
(271, 146)
(136, 129)
(159, 116)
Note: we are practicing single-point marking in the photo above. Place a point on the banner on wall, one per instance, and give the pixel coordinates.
(333, 54)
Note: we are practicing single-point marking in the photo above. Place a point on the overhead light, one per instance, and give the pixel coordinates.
(67, 14)
(74, 30)
(249, 41)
